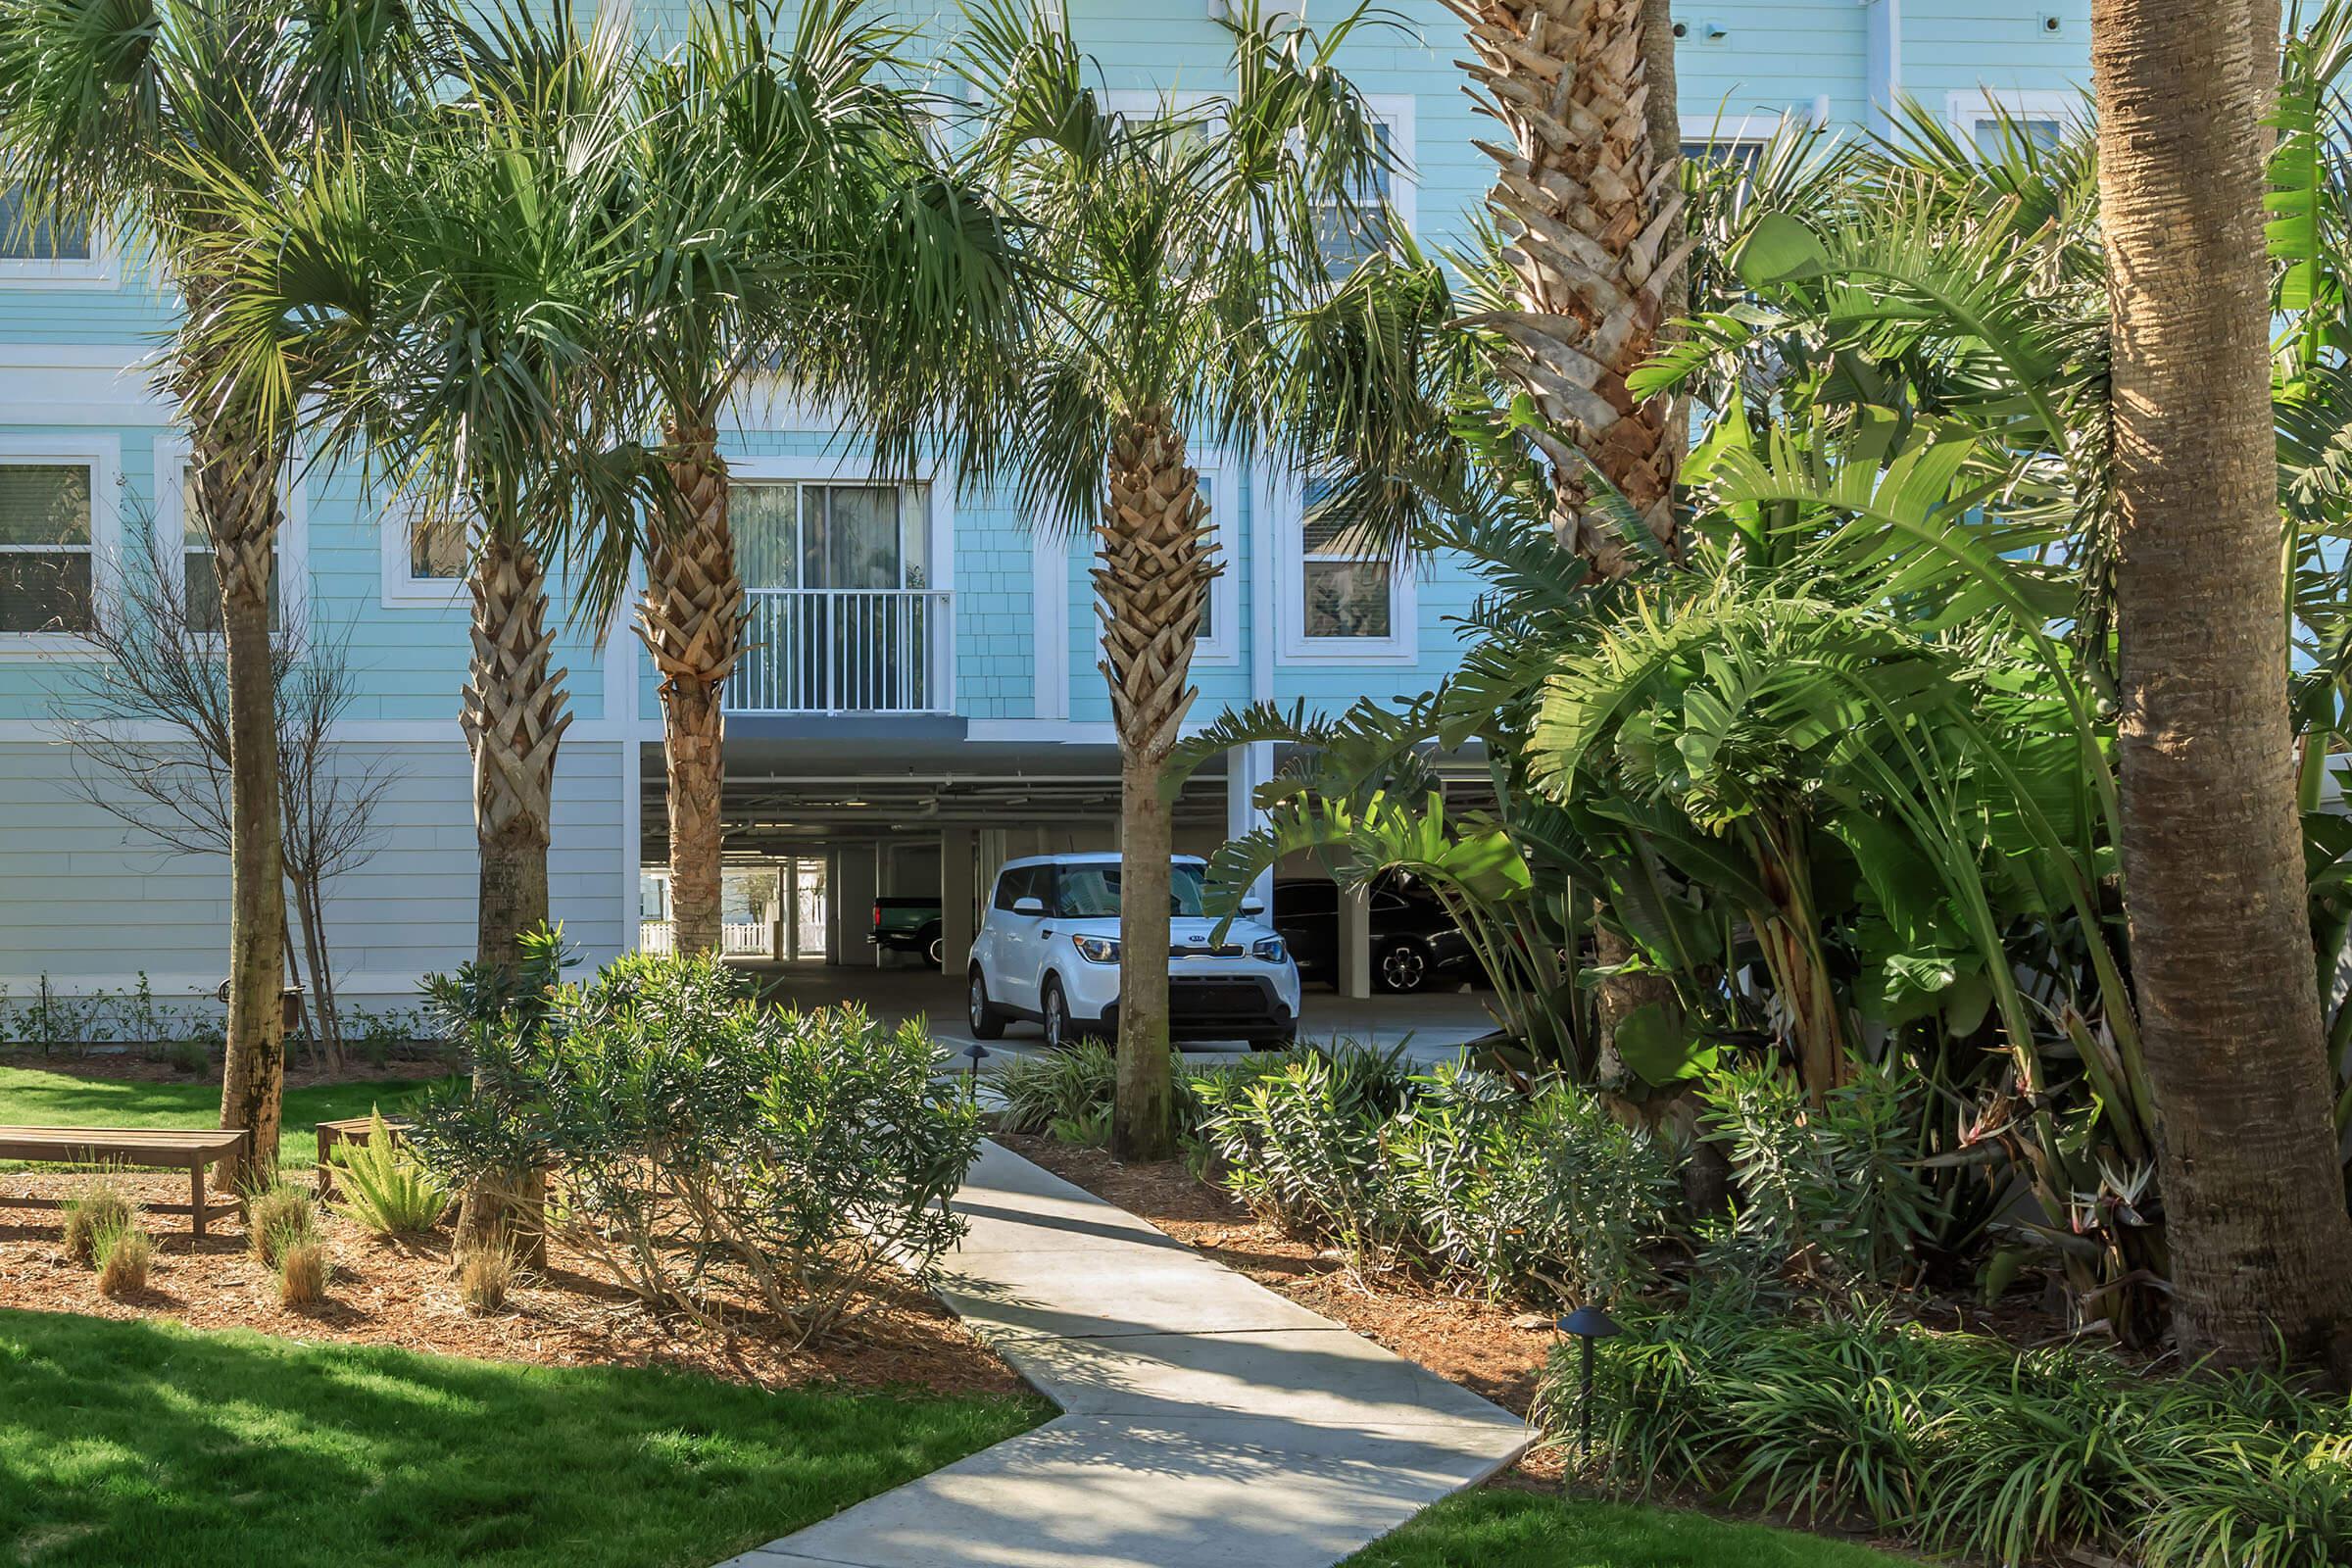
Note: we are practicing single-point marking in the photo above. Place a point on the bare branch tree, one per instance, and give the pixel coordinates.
(148, 721)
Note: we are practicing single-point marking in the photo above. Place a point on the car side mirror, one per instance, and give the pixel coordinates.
(1028, 906)
(1254, 907)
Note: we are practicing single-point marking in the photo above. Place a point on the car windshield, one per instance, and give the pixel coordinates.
(1092, 892)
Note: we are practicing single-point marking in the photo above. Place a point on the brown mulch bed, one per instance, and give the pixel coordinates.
(1497, 1351)
(401, 1292)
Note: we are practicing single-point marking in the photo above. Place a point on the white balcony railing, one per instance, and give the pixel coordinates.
(753, 938)
(844, 651)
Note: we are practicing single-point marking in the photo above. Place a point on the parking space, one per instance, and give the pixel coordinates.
(1432, 1026)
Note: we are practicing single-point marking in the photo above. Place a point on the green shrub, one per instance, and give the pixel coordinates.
(100, 1209)
(1832, 1189)
(1963, 1445)
(1053, 1086)
(1542, 1199)
(1301, 1146)
(276, 1217)
(703, 1140)
(384, 1188)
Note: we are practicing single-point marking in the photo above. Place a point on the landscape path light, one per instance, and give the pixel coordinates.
(1587, 1324)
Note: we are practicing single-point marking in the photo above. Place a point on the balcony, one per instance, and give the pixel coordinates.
(844, 650)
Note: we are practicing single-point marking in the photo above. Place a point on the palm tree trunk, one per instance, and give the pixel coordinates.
(237, 483)
(1151, 586)
(692, 623)
(515, 716)
(1591, 215)
(2212, 849)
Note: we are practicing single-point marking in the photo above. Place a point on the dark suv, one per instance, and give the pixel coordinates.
(1414, 943)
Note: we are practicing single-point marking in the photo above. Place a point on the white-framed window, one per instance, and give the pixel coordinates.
(426, 553)
(2041, 118)
(49, 254)
(182, 540)
(1342, 600)
(1347, 239)
(58, 501)
(1220, 640)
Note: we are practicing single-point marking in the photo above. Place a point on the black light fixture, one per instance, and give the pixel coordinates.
(1587, 1324)
(977, 1053)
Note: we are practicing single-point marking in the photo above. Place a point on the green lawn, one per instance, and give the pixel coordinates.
(30, 1096)
(145, 1443)
(1530, 1529)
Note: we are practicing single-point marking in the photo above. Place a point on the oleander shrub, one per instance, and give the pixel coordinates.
(1543, 1198)
(1961, 1443)
(101, 1207)
(1303, 1146)
(383, 1187)
(708, 1147)
(125, 1253)
(279, 1217)
(1831, 1191)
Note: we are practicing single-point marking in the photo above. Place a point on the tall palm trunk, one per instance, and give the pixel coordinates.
(515, 715)
(692, 622)
(1593, 218)
(2212, 851)
(237, 480)
(1151, 586)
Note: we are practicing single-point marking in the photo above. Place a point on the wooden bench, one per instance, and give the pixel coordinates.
(144, 1147)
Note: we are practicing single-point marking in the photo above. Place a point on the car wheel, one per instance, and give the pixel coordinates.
(1403, 966)
(1058, 1016)
(934, 948)
(986, 1022)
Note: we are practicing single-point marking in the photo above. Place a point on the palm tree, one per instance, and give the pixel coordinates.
(444, 312)
(1183, 243)
(796, 224)
(107, 113)
(1591, 213)
(2213, 869)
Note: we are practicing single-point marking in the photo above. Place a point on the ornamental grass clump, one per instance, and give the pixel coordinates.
(485, 1275)
(101, 1206)
(277, 1217)
(710, 1150)
(1962, 1444)
(125, 1252)
(303, 1272)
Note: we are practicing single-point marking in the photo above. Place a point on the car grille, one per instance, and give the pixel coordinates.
(1209, 997)
(1231, 950)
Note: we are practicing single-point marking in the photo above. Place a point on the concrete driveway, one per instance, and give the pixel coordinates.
(1432, 1026)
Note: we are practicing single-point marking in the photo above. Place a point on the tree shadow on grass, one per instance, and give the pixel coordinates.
(143, 1443)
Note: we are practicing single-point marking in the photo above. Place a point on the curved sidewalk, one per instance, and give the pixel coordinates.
(1207, 1422)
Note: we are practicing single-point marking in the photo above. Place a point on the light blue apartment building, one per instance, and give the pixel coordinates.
(970, 727)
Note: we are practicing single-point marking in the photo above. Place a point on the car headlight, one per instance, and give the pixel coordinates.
(1097, 950)
(1269, 949)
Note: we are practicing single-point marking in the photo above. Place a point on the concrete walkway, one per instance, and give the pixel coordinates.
(1207, 1422)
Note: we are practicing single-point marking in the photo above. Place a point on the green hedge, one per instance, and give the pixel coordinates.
(1961, 1443)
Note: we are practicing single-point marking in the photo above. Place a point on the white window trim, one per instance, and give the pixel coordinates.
(103, 457)
(102, 269)
(293, 533)
(1971, 110)
(1398, 111)
(402, 588)
(1284, 503)
(1225, 588)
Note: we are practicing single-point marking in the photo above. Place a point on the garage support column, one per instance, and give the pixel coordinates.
(854, 885)
(956, 899)
(1245, 768)
(1356, 941)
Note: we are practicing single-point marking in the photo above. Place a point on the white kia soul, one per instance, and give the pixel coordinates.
(1048, 950)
